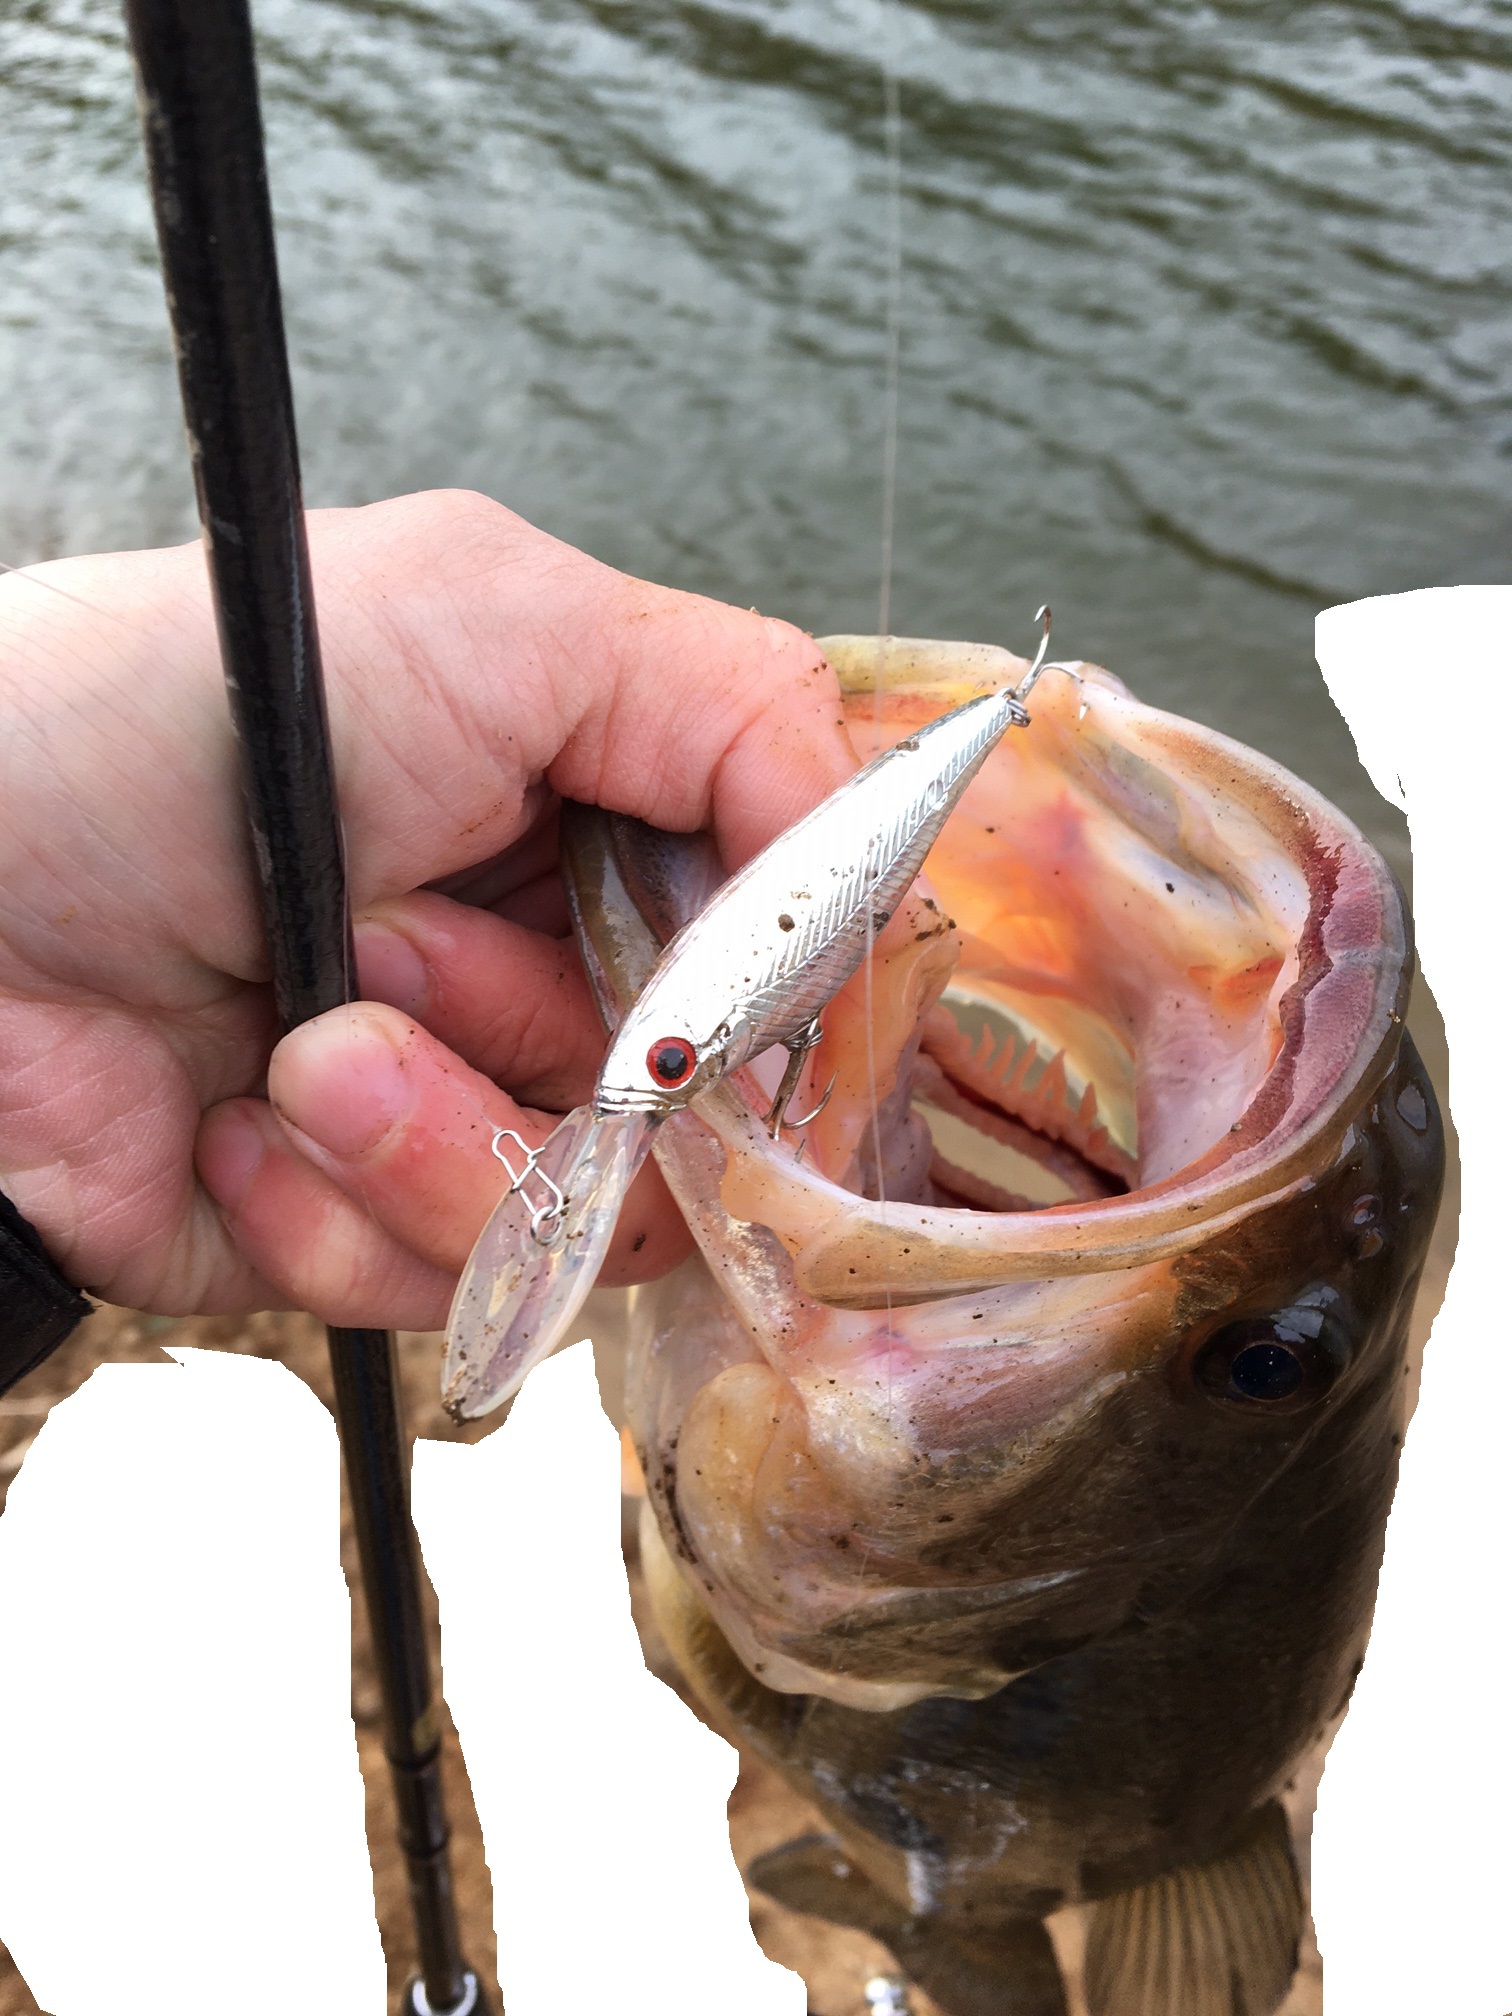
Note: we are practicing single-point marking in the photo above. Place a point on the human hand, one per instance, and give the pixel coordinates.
(476, 669)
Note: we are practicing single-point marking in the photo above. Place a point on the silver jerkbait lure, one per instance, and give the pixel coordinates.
(749, 973)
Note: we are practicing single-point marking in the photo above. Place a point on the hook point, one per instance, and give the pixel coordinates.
(1025, 686)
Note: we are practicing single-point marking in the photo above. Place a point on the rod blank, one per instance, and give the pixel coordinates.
(197, 90)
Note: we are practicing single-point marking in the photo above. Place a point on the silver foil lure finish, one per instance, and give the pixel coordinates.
(750, 972)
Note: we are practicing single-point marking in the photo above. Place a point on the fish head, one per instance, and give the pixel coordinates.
(1105, 1239)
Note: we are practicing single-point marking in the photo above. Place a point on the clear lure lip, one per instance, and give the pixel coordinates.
(751, 971)
(538, 1256)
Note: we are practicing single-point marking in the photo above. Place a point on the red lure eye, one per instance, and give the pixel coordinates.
(671, 1062)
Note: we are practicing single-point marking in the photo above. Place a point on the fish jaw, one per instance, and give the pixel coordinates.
(899, 1447)
(834, 1495)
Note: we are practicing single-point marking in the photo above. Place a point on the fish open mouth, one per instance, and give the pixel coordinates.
(1152, 967)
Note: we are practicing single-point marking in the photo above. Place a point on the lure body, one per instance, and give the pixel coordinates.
(772, 946)
(751, 970)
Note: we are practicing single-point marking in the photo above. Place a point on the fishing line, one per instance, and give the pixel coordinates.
(892, 147)
(892, 152)
(892, 144)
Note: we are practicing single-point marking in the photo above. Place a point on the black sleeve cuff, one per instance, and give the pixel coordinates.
(38, 1308)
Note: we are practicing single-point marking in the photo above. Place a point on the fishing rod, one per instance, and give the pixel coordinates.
(198, 98)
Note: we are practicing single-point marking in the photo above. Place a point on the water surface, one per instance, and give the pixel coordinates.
(1204, 308)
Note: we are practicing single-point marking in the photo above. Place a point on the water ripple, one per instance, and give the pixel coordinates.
(1206, 303)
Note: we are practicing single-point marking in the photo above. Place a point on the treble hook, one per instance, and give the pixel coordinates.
(1027, 684)
(797, 1050)
(546, 1218)
(814, 1112)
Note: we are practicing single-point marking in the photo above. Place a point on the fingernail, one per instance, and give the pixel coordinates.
(390, 969)
(342, 1081)
(231, 1153)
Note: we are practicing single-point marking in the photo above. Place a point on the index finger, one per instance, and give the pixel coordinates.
(516, 659)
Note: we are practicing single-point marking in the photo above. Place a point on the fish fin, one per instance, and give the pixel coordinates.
(1214, 1938)
(1006, 1969)
(1003, 1969)
(814, 1874)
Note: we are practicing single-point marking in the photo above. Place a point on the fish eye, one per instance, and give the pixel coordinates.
(1265, 1372)
(1276, 1363)
(671, 1061)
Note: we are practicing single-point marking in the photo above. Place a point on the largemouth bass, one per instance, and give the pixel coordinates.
(1020, 1439)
